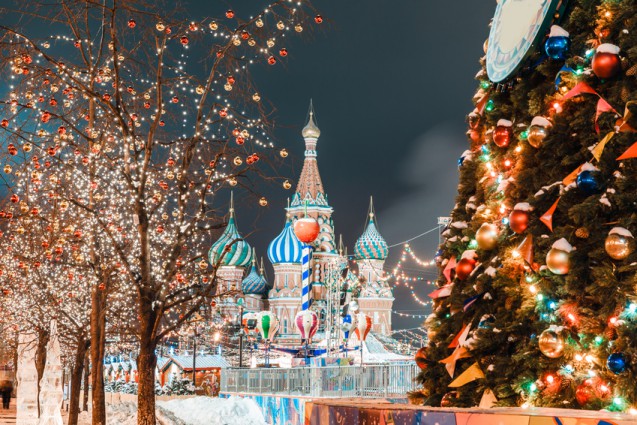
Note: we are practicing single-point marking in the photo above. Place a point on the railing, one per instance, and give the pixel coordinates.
(387, 380)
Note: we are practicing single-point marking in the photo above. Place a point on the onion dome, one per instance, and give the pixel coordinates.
(371, 245)
(285, 248)
(311, 130)
(230, 249)
(254, 283)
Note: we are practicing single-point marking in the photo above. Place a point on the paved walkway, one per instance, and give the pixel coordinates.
(8, 416)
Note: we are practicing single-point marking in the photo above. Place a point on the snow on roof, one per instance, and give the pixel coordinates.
(203, 361)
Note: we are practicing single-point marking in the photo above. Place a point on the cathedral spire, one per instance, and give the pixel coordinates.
(310, 187)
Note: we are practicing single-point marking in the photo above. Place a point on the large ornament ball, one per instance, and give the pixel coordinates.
(619, 247)
(448, 400)
(606, 65)
(551, 344)
(306, 229)
(464, 268)
(588, 181)
(519, 221)
(487, 236)
(502, 136)
(617, 363)
(421, 358)
(536, 136)
(558, 261)
(557, 47)
(585, 393)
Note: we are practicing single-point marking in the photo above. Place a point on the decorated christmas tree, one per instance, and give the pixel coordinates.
(537, 302)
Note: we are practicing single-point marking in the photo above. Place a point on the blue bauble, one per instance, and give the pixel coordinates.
(557, 47)
(588, 182)
(461, 161)
(616, 363)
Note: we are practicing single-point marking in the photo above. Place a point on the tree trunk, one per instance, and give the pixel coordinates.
(76, 381)
(98, 338)
(146, 364)
(40, 358)
(87, 372)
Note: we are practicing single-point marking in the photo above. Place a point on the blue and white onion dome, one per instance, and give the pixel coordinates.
(286, 247)
(371, 245)
(254, 283)
(237, 251)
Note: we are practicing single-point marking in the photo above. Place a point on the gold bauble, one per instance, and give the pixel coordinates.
(536, 136)
(227, 87)
(298, 28)
(232, 181)
(287, 184)
(283, 153)
(551, 344)
(280, 25)
(213, 26)
(619, 247)
(7, 169)
(263, 201)
(259, 22)
(238, 160)
(558, 261)
(487, 236)
(256, 97)
(203, 264)
(200, 89)
(160, 26)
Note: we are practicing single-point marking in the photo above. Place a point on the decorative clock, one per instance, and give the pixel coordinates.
(518, 27)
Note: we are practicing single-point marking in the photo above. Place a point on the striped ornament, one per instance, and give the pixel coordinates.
(307, 323)
(286, 247)
(306, 287)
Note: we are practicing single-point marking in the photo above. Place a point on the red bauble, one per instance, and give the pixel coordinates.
(464, 268)
(606, 65)
(449, 399)
(421, 358)
(502, 136)
(591, 390)
(519, 220)
(306, 229)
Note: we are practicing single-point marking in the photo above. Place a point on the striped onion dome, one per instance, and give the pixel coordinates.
(254, 283)
(285, 248)
(239, 253)
(371, 245)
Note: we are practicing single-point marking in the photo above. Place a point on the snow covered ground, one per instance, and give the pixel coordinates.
(189, 411)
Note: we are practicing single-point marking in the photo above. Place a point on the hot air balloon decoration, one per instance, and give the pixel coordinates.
(307, 324)
(363, 326)
(268, 326)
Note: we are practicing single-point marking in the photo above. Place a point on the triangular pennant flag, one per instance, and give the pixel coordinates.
(572, 177)
(469, 301)
(599, 148)
(547, 217)
(631, 152)
(450, 362)
(456, 339)
(445, 291)
(471, 374)
(488, 399)
(525, 249)
(580, 88)
(602, 107)
(451, 264)
(482, 104)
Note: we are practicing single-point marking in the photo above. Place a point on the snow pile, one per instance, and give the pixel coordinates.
(557, 31)
(541, 122)
(608, 48)
(215, 411)
(116, 414)
(562, 245)
(622, 231)
(504, 123)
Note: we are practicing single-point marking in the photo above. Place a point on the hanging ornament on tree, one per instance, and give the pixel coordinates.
(589, 180)
(617, 363)
(502, 133)
(421, 358)
(487, 236)
(619, 243)
(538, 131)
(606, 62)
(466, 265)
(591, 390)
(448, 400)
(557, 259)
(519, 217)
(551, 343)
(558, 43)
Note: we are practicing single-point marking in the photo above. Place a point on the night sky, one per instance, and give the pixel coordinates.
(392, 83)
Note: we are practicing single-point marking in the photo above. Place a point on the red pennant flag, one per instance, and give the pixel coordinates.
(482, 104)
(456, 340)
(580, 88)
(547, 217)
(630, 153)
(602, 107)
(443, 292)
(526, 250)
(450, 266)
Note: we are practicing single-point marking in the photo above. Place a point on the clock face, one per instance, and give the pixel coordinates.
(518, 25)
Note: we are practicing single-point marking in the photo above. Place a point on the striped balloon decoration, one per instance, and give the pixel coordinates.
(268, 325)
(347, 324)
(363, 326)
(307, 323)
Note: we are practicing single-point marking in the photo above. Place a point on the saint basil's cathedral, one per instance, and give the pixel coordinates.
(238, 265)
